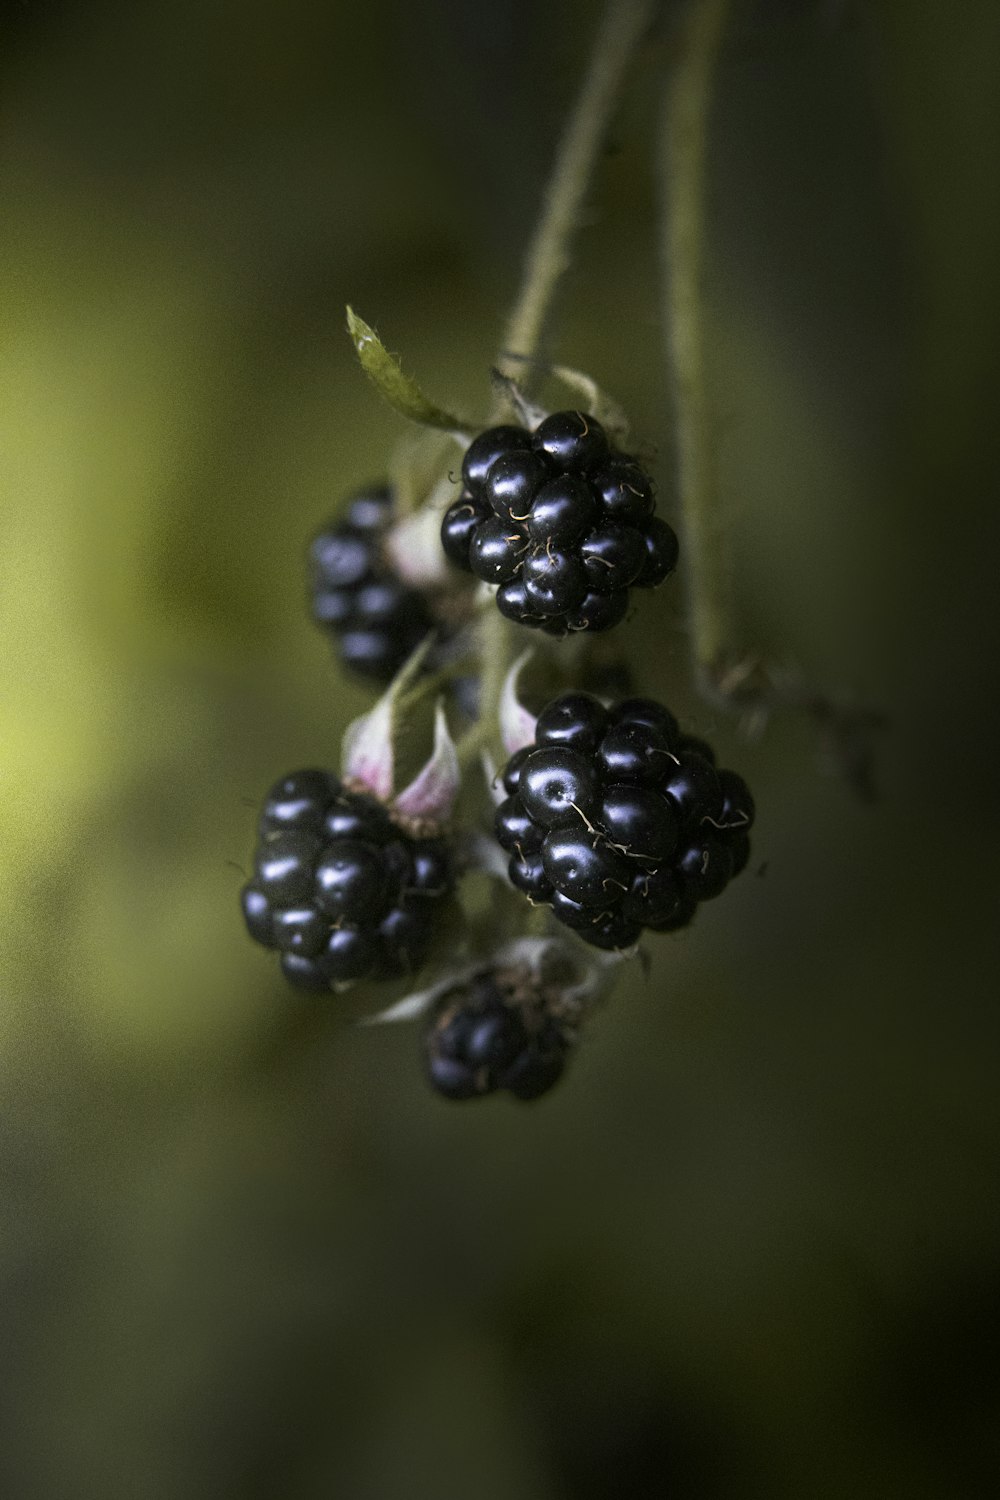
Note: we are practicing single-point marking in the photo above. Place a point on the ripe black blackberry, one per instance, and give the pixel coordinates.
(618, 821)
(339, 889)
(376, 619)
(485, 1038)
(560, 521)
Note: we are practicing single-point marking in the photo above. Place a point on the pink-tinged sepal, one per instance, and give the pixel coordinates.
(574, 981)
(431, 794)
(367, 757)
(414, 545)
(517, 725)
(367, 752)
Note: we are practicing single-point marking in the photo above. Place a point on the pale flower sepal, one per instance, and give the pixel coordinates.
(517, 725)
(579, 978)
(431, 794)
(367, 753)
(414, 546)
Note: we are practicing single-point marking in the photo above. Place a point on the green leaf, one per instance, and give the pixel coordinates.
(401, 391)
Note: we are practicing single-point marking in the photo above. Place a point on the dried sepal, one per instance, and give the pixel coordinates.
(507, 390)
(368, 753)
(517, 725)
(430, 796)
(596, 402)
(572, 979)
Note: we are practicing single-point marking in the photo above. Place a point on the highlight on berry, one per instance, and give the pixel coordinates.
(560, 522)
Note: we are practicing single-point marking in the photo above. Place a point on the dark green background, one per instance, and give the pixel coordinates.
(750, 1247)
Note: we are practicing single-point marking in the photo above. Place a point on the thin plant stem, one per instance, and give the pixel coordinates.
(622, 27)
(689, 99)
(728, 674)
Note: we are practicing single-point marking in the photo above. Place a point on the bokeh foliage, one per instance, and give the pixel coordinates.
(750, 1246)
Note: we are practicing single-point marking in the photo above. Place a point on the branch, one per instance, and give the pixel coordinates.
(728, 675)
(548, 256)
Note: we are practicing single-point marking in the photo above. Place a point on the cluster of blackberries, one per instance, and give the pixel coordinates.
(618, 821)
(483, 1040)
(376, 619)
(338, 888)
(560, 522)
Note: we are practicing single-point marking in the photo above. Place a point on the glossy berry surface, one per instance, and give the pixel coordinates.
(338, 889)
(556, 784)
(375, 619)
(576, 721)
(618, 821)
(554, 582)
(566, 522)
(482, 1040)
(460, 525)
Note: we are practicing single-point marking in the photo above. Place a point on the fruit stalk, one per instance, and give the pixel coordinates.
(623, 25)
(686, 128)
(622, 28)
(728, 674)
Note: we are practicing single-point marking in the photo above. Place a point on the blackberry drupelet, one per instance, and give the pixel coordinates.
(560, 522)
(483, 1039)
(376, 619)
(338, 889)
(618, 821)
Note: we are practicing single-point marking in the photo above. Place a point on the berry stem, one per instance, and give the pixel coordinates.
(689, 99)
(548, 256)
(497, 649)
(621, 30)
(728, 674)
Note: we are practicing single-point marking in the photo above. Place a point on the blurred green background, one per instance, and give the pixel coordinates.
(750, 1246)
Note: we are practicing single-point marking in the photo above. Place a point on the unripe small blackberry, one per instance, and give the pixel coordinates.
(495, 1033)
(559, 522)
(616, 821)
(340, 889)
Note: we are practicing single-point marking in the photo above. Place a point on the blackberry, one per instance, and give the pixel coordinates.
(618, 821)
(463, 520)
(338, 889)
(376, 619)
(559, 522)
(488, 1037)
(555, 784)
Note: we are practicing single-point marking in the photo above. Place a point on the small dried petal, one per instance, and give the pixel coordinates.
(367, 755)
(431, 794)
(517, 725)
(414, 546)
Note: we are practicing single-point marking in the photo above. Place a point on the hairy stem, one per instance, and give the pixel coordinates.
(727, 672)
(689, 100)
(548, 256)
